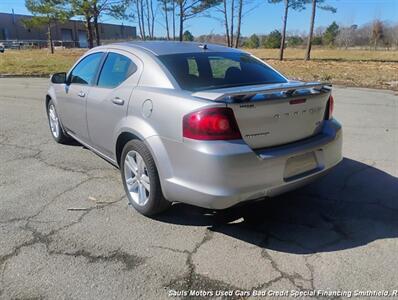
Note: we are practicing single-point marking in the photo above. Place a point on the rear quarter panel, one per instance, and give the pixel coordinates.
(164, 125)
(168, 108)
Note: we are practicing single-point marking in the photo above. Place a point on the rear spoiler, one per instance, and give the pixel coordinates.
(247, 92)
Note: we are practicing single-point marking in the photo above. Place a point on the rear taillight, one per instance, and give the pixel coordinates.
(329, 108)
(217, 123)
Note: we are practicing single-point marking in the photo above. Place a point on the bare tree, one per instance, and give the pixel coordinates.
(144, 15)
(315, 4)
(173, 9)
(139, 17)
(192, 8)
(150, 18)
(294, 4)
(282, 48)
(363, 35)
(224, 11)
(232, 21)
(182, 17)
(308, 51)
(239, 21)
(227, 18)
(153, 20)
(165, 8)
(143, 12)
(346, 36)
(231, 13)
(391, 35)
(377, 32)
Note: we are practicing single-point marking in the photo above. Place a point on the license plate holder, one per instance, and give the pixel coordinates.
(300, 166)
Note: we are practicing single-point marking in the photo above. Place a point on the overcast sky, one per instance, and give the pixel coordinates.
(262, 17)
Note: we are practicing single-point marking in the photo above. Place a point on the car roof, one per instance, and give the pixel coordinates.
(174, 47)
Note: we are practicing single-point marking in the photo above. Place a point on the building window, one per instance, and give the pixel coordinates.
(66, 34)
(3, 33)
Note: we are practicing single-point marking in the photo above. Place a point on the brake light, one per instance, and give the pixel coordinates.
(297, 101)
(217, 123)
(330, 107)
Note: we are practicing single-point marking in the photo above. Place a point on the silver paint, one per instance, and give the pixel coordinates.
(215, 174)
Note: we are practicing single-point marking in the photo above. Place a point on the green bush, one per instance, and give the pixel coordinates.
(330, 34)
(317, 40)
(272, 40)
(293, 41)
(252, 42)
(187, 36)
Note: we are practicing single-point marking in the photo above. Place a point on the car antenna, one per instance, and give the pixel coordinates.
(204, 46)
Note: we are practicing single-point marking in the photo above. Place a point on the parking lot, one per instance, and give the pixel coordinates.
(66, 231)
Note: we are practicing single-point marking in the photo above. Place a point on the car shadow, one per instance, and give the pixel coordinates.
(352, 206)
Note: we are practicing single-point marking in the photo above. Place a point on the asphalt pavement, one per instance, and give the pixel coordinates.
(66, 231)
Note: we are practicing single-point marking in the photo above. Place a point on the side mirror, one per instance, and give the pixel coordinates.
(58, 78)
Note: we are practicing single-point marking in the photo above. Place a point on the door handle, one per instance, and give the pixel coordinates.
(118, 101)
(81, 94)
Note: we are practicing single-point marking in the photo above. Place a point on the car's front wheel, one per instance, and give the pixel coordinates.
(55, 126)
(141, 179)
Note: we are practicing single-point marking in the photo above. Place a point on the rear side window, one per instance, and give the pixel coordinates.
(117, 68)
(219, 65)
(193, 66)
(211, 70)
(86, 69)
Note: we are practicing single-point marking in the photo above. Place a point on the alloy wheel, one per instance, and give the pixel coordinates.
(54, 123)
(136, 178)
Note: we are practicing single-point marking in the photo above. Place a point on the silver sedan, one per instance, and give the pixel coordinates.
(201, 124)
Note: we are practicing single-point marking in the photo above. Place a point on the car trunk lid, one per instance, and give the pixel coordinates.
(275, 114)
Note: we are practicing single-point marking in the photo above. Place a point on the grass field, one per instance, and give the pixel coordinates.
(37, 62)
(362, 68)
(361, 74)
(329, 54)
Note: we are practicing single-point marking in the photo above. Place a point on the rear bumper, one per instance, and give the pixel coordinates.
(219, 174)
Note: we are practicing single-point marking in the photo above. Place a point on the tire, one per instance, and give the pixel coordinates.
(54, 123)
(141, 179)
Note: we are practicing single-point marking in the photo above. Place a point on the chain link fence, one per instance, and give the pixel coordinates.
(39, 44)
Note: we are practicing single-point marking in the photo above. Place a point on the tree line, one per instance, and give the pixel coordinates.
(172, 15)
(372, 35)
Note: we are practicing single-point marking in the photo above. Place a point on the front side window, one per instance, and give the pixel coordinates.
(210, 70)
(117, 68)
(86, 69)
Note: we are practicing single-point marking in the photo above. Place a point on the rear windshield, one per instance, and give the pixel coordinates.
(200, 71)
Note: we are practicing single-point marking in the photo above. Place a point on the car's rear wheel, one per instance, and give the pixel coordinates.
(55, 126)
(141, 179)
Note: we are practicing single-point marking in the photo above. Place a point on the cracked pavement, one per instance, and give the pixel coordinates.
(66, 231)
